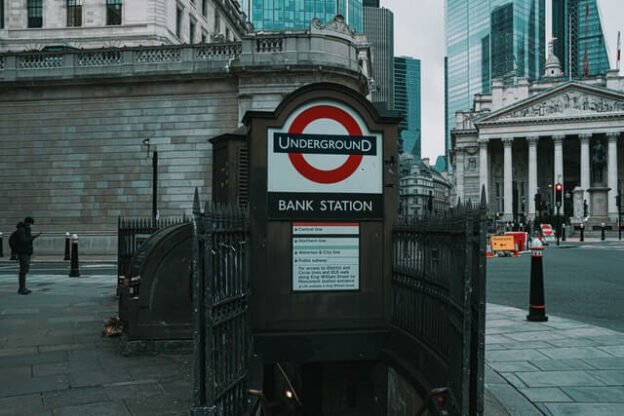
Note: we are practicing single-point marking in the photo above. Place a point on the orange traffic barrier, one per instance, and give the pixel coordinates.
(488, 250)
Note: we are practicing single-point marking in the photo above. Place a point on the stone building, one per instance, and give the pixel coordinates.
(73, 123)
(421, 187)
(35, 24)
(526, 136)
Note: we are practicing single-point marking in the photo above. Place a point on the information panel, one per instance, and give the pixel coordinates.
(326, 256)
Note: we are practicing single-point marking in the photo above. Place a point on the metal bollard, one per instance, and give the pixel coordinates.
(582, 232)
(1, 246)
(563, 232)
(74, 272)
(67, 256)
(537, 305)
(602, 231)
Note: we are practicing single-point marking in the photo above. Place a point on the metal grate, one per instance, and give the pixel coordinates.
(243, 175)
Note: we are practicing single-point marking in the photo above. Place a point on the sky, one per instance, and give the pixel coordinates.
(419, 32)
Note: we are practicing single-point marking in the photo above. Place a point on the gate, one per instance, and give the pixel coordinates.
(438, 296)
(221, 335)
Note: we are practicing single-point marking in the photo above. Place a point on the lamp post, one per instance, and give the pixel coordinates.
(146, 142)
(618, 201)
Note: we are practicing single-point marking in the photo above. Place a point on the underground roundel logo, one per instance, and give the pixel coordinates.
(312, 173)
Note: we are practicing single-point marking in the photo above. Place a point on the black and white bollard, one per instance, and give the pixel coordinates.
(67, 254)
(537, 305)
(602, 231)
(1, 245)
(74, 272)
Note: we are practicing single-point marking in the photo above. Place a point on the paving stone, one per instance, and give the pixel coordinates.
(545, 394)
(573, 352)
(536, 336)
(41, 370)
(514, 402)
(497, 339)
(9, 374)
(573, 342)
(74, 396)
(515, 355)
(568, 364)
(12, 352)
(21, 405)
(512, 366)
(588, 332)
(512, 379)
(97, 377)
(605, 363)
(162, 405)
(609, 377)
(558, 378)
(615, 350)
(522, 345)
(585, 409)
(108, 408)
(140, 390)
(596, 394)
(34, 385)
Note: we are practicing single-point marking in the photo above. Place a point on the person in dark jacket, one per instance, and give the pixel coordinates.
(24, 249)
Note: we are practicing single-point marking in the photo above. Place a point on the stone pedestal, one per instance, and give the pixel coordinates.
(599, 204)
(577, 202)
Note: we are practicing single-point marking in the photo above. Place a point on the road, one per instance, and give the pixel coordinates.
(61, 268)
(581, 281)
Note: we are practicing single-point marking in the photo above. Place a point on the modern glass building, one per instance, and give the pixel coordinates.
(407, 102)
(297, 14)
(490, 39)
(580, 44)
(379, 29)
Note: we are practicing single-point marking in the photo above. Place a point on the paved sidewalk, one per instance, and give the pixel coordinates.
(53, 360)
(559, 367)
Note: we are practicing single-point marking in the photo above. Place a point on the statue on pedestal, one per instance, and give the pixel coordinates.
(599, 161)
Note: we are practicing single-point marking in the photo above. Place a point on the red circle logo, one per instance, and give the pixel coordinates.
(326, 176)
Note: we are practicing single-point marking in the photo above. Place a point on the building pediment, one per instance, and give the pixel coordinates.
(570, 100)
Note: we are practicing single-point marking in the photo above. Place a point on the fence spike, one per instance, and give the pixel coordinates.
(196, 203)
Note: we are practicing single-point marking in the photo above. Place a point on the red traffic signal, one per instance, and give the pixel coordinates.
(558, 194)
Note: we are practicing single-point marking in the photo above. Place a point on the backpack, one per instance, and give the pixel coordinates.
(13, 241)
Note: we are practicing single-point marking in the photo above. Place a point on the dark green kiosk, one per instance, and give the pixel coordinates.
(323, 195)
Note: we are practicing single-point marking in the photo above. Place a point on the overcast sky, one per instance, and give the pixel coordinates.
(419, 32)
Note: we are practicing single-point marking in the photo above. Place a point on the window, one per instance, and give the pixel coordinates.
(35, 13)
(217, 22)
(178, 22)
(192, 31)
(205, 7)
(74, 12)
(113, 12)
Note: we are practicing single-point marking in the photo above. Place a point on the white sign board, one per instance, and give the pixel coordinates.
(326, 256)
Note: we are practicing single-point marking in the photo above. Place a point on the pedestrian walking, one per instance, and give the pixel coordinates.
(24, 248)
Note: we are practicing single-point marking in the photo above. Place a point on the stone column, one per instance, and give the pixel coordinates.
(459, 173)
(558, 141)
(585, 168)
(612, 176)
(508, 179)
(532, 140)
(483, 167)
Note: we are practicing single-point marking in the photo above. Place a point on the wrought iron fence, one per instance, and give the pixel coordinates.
(221, 335)
(131, 233)
(438, 297)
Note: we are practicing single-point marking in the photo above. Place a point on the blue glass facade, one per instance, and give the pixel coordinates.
(297, 14)
(407, 102)
(490, 39)
(580, 44)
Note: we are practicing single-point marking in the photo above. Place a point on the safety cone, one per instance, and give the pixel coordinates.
(488, 250)
(537, 305)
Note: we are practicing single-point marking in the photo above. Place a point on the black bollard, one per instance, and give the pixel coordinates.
(602, 231)
(563, 232)
(537, 305)
(74, 272)
(582, 232)
(67, 256)
(1, 246)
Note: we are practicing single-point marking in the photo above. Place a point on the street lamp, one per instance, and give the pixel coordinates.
(146, 142)
(558, 201)
(618, 201)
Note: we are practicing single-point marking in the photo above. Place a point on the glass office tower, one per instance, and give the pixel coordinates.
(297, 14)
(379, 29)
(580, 44)
(489, 39)
(407, 102)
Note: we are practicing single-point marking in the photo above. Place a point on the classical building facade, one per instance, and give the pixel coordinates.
(524, 138)
(35, 24)
(73, 123)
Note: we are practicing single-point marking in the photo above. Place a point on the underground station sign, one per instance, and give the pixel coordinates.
(324, 164)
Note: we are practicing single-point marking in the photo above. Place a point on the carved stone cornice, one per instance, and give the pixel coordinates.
(585, 137)
(507, 141)
(483, 143)
(558, 138)
(532, 140)
(613, 135)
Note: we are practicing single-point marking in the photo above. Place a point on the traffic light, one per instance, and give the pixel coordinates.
(558, 194)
